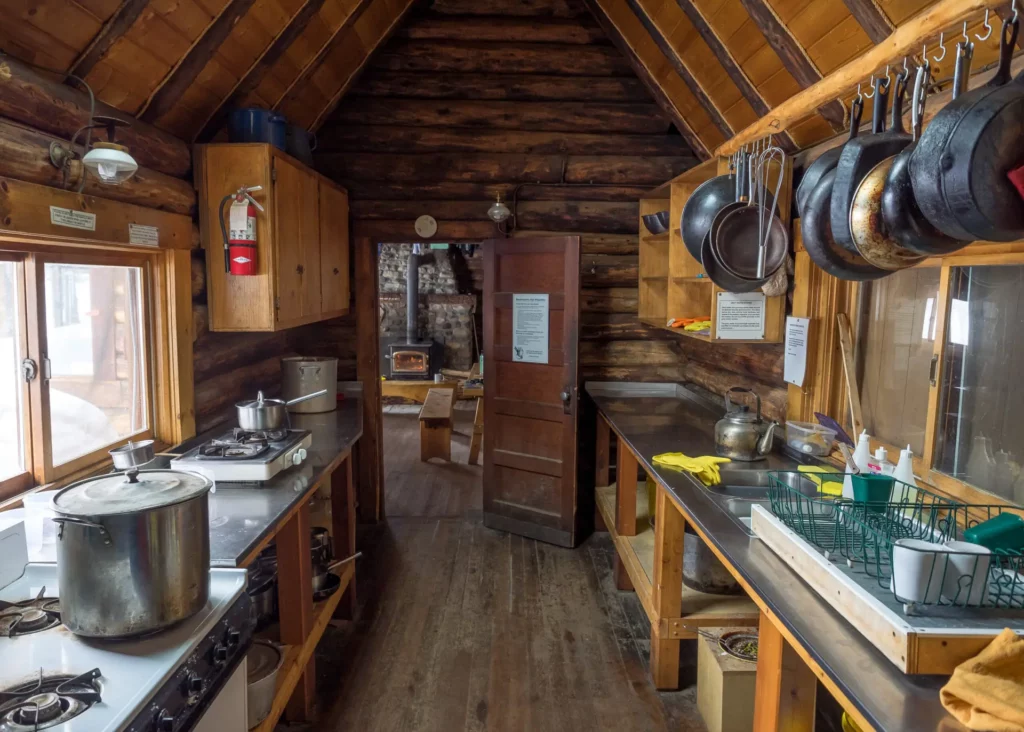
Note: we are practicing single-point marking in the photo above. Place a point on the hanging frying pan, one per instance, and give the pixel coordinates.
(816, 225)
(720, 276)
(987, 144)
(863, 154)
(707, 200)
(901, 215)
(870, 236)
(737, 231)
(827, 160)
(926, 162)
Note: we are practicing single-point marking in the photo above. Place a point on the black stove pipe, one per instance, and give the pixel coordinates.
(412, 292)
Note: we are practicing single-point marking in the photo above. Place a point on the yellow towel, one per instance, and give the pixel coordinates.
(828, 487)
(705, 467)
(987, 692)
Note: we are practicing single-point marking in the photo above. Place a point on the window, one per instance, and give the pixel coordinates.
(75, 378)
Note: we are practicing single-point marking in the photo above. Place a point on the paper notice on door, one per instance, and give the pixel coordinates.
(147, 236)
(73, 219)
(795, 363)
(740, 316)
(530, 315)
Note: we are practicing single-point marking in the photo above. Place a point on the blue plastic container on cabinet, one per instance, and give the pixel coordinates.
(253, 124)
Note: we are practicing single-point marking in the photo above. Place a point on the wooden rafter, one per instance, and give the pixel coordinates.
(310, 68)
(871, 18)
(203, 50)
(643, 73)
(111, 32)
(252, 78)
(332, 103)
(793, 56)
(733, 69)
(677, 63)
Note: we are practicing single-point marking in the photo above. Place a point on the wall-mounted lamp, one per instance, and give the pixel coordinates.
(108, 161)
(498, 212)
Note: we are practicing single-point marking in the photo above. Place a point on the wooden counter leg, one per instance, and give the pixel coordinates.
(343, 529)
(295, 600)
(603, 450)
(625, 491)
(785, 689)
(667, 589)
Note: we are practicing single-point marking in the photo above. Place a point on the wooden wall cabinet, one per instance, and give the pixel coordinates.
(302, 240)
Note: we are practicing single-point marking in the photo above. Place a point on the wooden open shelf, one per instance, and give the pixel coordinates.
(296, 657)
(699, 609)
(673, 283)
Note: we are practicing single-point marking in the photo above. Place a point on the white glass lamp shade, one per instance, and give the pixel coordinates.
(110, 163)
(498, 212)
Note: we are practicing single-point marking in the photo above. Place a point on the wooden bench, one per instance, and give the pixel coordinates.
(436, 424)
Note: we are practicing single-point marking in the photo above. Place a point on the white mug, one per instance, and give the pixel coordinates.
(918, 568)
(967, 573)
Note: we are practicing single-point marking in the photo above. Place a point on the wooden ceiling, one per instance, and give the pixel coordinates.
(713, 65)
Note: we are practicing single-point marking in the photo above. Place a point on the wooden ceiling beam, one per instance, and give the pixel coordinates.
(733, 69)
(793, 56)
(643, 73)
(203, 50)
(871, 18)
(111, 32)
(677, 63)
(335, 99)
(252, 78)
(309, 69)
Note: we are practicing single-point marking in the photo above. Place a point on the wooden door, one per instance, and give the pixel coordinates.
(296, 243)
(530, 407)
(334, 245)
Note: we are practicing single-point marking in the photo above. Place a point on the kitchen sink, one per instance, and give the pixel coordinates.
(742, 489)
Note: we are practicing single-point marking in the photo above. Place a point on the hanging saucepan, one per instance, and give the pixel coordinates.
(926, 162)
(701, 207)
(721, 277)
(901, 215)
(987, 144)
(816, 225)
(827, 160)
(870, 236)
(859, 157)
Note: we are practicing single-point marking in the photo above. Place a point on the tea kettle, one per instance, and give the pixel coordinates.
(740, 435)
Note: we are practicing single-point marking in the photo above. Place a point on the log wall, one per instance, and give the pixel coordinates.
(541, 108)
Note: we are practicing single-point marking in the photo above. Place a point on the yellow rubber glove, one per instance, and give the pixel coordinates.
(705, 468)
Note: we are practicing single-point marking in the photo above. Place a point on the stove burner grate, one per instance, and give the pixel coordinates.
(29, 616)
(47, 701)
(245, 436)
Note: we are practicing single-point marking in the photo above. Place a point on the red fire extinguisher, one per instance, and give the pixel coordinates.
(240, 231)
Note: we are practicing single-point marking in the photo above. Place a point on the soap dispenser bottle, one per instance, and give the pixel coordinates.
(880, 463)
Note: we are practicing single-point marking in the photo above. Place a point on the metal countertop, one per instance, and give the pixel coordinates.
(658, 418)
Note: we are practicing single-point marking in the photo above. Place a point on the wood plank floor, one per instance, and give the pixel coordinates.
(465, 628)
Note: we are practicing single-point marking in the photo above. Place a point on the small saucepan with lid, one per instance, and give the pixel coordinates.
(268, 414)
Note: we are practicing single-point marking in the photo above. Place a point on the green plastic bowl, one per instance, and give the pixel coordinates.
(1005, 531)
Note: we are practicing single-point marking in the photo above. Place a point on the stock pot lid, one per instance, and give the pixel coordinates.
(262, 660)
(112, 494)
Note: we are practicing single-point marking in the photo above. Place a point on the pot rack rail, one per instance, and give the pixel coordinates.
(903, 41)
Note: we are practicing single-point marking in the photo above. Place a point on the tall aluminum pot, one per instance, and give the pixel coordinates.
(133, 551)
(305, 375)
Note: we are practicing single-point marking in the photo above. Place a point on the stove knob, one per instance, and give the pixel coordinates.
(298, 456)
(234, 637)
(220, 654)
(195, 684)
(165, 721)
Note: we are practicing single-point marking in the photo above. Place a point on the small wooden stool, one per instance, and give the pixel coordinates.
(478, 432)
(436, 424)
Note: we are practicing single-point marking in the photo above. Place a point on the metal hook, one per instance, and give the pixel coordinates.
(986, 26)
(860, 94)
(967, 38)
(942, 39)
(906, 69)
(887, 80)
(872, 94)
(1013, 7)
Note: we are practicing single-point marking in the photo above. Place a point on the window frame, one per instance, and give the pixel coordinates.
(168, 336)
(821, 298)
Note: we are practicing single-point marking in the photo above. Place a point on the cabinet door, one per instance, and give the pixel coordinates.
(297, 243)
(334, 248)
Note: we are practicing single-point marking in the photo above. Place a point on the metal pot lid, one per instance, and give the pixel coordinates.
(115, 493)
(262, 660)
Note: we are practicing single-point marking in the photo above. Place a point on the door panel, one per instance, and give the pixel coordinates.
(530, 484)
(296, 201)
(334, 248)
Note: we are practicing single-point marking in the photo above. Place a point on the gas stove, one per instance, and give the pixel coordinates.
(53, 680)
(246, 456)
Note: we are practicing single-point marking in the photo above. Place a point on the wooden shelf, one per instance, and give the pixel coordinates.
(637, 555)
(296, 657)
(678, 331)
(655, 238)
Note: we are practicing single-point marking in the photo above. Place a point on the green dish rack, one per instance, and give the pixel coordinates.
(902, 543)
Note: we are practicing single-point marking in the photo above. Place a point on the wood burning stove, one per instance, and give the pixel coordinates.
(410, 357)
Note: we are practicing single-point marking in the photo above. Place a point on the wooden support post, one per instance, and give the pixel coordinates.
(604, 439)
(370, 446)
(785, 688)
(666, 589)
(343, 529)
(295, 600)
(625, 491)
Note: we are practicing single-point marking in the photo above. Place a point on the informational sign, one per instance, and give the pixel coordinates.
(740, 316)
(438, 246)
(147, 236)
(795, 364)
(530, 315)
(72, 219)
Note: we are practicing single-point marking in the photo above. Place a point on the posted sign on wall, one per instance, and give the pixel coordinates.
(530, 328)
